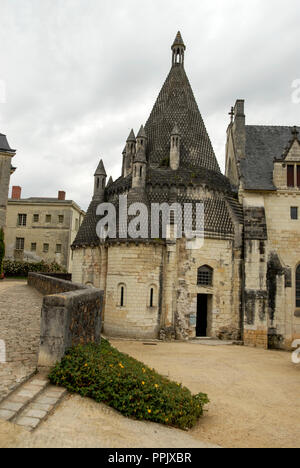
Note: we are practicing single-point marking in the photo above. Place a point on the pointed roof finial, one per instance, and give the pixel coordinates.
(100, 169)
(131, 136)
(142, 133)
(178, 41)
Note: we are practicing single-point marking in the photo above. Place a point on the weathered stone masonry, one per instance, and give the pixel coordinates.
(71, 315)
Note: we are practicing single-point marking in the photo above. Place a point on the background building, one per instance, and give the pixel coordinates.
(6, 169)
(42, 228)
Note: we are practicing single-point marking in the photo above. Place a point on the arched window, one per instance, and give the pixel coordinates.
(298, 287)
(205, 276)
(141, 171)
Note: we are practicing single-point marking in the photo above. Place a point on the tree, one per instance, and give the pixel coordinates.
(2, 252)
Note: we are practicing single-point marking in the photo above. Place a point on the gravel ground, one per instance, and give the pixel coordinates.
(20, 310)
(254, 393)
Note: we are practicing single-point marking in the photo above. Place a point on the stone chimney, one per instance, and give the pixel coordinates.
(16, 192)
(61, 195)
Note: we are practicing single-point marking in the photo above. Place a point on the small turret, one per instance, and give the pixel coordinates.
(175, 149)
(141, 139)
(139, 168)
(130, 152)
(100, 182)
(178, 49)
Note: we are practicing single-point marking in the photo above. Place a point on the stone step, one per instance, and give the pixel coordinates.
(40, 407)
(17, 401)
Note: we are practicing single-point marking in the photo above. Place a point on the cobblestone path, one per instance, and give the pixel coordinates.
(20, 310)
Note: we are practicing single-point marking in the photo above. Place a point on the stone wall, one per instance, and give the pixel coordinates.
(49, 284)
(224, 294)
(272, 254)
(71, 315)
(5, 168)
(137, 268)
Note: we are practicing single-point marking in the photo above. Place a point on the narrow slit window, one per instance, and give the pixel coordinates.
(122, 296)
(151, 297)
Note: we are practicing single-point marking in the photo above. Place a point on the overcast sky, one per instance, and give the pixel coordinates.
(79, 74)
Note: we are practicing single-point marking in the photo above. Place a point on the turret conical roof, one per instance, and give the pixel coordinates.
(131, 136)
(142, 133)
(100, 169)
(178, 40)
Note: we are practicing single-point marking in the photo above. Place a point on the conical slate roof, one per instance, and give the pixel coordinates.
(131, 136)
(176, 104)
(178, 40)
(142, 133)
(100, 169)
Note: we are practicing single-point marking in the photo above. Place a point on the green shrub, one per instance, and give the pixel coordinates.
(21, 269)
(103, 373)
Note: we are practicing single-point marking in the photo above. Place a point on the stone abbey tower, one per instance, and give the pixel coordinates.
(232, 286)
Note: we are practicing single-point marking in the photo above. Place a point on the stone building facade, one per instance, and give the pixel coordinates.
(42, 228)
(6, 169)
(238, 279)
(263, 164)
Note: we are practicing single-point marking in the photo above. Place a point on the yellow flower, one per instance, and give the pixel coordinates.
(167, 419)
(85, 365)
(149, 411)
(143, 383)
(121, 365)
(156, 386)
(144, 370)
(110, 365)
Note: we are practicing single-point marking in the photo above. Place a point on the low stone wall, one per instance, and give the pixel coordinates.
(71, 315)
(48, 284)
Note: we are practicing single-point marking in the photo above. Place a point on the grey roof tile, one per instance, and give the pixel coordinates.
(263, 145)
(176, 104)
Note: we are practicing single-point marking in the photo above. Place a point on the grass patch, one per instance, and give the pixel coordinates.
(127, 385)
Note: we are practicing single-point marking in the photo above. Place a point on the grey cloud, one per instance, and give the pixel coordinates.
(80, 75)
